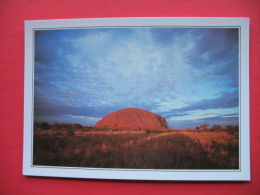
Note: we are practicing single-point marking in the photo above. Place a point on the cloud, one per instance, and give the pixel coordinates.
(170, 71)
(85, 120)
(216, 118)
(224, 101)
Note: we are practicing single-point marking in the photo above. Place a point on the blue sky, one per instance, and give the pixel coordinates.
(187, 75)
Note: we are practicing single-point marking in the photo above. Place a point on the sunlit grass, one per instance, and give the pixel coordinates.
(172, 149)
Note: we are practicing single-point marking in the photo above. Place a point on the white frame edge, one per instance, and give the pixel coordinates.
(199, 175)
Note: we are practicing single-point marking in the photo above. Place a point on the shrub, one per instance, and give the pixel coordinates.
(204, 126)
(139, 150)
(148, 131)
(216, 128)
(44, 126)
(56, 126)
(70, 132)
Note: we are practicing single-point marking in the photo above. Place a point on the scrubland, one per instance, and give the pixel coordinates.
(143, 149)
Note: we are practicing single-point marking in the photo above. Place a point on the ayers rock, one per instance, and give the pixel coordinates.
(133, 118)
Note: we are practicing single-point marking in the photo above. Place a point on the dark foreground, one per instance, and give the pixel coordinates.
(137, 150)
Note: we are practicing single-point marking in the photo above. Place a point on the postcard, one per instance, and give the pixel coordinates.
(137, 99)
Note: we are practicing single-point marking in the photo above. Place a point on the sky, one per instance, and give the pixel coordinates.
(190, 76)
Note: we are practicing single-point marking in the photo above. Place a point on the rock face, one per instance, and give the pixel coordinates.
(133, 118)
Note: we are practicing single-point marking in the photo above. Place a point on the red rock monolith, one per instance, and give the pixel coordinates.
(133, 118)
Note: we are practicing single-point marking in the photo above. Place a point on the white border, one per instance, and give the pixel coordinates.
(133, 174)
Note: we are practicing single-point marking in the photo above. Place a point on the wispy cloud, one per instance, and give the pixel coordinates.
(170, 71)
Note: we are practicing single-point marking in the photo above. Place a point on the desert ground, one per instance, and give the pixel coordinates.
(73, 145)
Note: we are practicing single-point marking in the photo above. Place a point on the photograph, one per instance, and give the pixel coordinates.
(159, 98)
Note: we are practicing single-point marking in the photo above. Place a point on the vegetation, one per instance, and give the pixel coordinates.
(75, 145)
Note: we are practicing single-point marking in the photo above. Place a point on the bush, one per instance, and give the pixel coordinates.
(216, 128)
(148, 131)
(44, 126)
(204, 126)
(70, 132)
(56, 126)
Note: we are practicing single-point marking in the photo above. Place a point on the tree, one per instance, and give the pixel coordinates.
(148, 131)
(236, 128)
(65, 126)
(232, 129)
(204, 126)
(216, 128)
(76, 126)
(44, 126)
(36, 125)
(86, 128)
(70, 132)
(56, 126)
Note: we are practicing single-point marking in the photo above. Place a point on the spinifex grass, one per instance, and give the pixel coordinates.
(138, 150)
